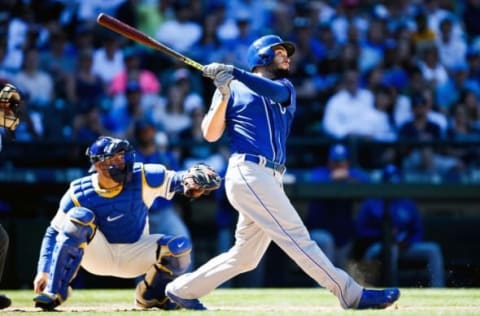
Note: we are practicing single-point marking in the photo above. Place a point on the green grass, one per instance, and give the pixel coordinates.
(305, 301)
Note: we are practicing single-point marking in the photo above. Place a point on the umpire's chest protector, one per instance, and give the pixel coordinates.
(121, 217)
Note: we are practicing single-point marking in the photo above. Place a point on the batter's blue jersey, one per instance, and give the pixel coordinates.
(120, 216)
(258, 125)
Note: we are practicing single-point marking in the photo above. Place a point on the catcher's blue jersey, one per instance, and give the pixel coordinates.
(257, 125)
(121, 216)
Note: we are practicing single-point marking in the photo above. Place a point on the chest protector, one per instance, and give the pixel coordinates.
(122, 217)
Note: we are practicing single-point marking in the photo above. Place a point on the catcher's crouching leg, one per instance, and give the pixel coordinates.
(173, 259)
(66, 257)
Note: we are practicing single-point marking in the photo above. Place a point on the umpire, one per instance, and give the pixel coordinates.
(9, 120)
(4, 241)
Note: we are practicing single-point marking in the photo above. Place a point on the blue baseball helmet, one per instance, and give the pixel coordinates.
(106, 147)
(260, 52)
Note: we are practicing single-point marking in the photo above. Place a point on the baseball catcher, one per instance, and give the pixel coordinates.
(101, 225)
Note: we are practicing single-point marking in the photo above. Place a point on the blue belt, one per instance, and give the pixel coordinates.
(265, 162)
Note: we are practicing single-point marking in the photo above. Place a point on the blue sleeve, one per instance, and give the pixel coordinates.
(177, 184)
(272, 89)
(46, 250)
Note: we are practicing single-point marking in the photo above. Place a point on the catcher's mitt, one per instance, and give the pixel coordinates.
(200, 179)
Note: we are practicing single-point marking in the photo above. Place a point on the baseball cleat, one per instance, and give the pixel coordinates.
(378, 299)
(193, 304)
(4, 301)
(46, 302)
(165, 304)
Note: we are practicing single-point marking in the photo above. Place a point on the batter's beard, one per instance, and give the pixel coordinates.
(281, 73)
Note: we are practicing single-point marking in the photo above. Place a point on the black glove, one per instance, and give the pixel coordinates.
(199, 180)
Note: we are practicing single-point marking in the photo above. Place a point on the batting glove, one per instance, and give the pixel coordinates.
(211, 70)
(222, 82)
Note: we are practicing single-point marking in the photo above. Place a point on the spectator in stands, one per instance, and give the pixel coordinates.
(451, 50)
(432, 69)
(180, 32)
(449, 93)
(34, 81)
(88, 124)
(209, 47)
(372, 48)
(423, 36)
(331, 221)
(60, 61)
(473, 62)
(472, 106)
(407, 232)
(83, 38)
(181, 99)
(348, 16)
(6, 71)
(425, 159)
(134, 71)
(437, 11)
(348, 112)
(235, 49)
(462, 130)
(87, 88)
(197, 149)
(120, 120)
(108, 58)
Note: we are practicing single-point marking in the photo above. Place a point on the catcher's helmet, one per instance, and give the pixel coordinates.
(260, 52)
(106, 147)
(9, 106)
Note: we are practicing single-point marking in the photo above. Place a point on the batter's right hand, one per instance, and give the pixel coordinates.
(40, 282)
(211, 70)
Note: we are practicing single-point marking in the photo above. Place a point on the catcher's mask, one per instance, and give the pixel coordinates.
(105, 148)
(9, 106)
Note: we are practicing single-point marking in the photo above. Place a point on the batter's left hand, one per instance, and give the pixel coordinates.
(211, 70)
(222, 82)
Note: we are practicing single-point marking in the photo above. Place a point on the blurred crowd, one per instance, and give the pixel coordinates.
(382, 71)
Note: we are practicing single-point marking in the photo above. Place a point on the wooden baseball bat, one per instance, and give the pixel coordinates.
(138, 36)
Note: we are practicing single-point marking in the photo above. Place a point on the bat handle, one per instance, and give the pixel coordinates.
(193, 63)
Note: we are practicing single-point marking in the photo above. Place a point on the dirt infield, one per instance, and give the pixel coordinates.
(253, 302)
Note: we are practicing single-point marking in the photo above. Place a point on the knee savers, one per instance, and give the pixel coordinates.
(173, 259)
(77, 230)
(174, 254)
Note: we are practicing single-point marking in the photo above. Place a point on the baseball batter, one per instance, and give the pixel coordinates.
(257, 109)
(101, 224)
(9, 120)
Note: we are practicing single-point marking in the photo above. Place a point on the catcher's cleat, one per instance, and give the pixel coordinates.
(4, 301)
(46, 302)
(378, 299)
(193, 304)
(165, 304)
